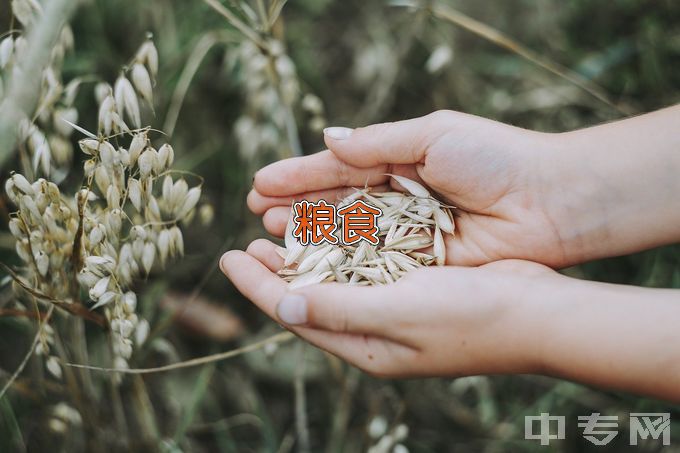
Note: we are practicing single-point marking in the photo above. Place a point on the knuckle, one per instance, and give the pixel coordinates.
(327, 316)
(376, 131)
(442, 115)
(343, 172)
(256, 245)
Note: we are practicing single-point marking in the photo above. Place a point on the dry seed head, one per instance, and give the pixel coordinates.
(115, 246)
(147, 162)
(148, 256)
(105, 299)
(135, 193)
(21, 183)
(6, 51)
(166, 156)
(189, 202)
(126, 101)
(142, 82)
(148, 55)
(89, 146)
(52, 365)
(106, 111)
(137, 146)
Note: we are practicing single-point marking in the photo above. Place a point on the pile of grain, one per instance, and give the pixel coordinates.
(411, 233)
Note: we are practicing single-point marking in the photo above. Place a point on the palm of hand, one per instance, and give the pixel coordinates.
(502, 213)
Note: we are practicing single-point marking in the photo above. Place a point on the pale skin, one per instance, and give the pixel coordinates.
(529, 203)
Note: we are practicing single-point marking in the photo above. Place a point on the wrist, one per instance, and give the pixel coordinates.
(576, 198)
(540, 302)
(612, 189)
(516, 342)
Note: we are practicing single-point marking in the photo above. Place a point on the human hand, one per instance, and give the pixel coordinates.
(461, 325)
(509, 317)
(487, 169)
(557, 199)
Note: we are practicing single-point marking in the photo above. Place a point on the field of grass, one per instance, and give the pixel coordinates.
(242, 84)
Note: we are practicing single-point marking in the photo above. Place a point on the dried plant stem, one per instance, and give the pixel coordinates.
(342, 410)
(382, 93)
(28, 355)
(301, 424)
(78, 342)
(264, 18)
(144, 411)
(23, 91)
(278, 338)
(83, 403)
(75, 309)
(292, 131)
(500, 39)
(237, 23)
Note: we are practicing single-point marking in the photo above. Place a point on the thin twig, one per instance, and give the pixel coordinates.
(278, 338)
(71, 307)
(28, 355)
(23, 91)
(500, 39)
(241, 26)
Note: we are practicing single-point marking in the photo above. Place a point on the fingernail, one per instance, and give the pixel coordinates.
(338, 133)
(222, 260)
(292, 309)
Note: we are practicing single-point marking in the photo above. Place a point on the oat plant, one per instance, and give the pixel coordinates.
(83, 252)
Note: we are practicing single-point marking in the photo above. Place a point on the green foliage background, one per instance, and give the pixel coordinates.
(630, 48)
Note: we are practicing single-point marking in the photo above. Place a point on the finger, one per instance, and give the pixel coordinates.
(340, 308)
(275, 220)
(259, 203)
(265, 252)
(319, 171)
(401, 142)
(265, 290)
(253, 280)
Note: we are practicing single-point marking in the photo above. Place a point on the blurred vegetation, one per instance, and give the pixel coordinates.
(368, 62)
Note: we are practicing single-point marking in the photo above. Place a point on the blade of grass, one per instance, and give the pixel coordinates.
(197, 395)
(10, 433)
(204, 45)
(29, 353)
(502, 40)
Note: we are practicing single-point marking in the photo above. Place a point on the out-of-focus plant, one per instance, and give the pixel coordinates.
(43, 139)
(267, 77)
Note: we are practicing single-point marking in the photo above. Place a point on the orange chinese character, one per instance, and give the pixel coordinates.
(314, 222)
(359, 222)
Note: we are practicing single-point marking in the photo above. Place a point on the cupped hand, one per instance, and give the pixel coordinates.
(468, 321)
(494, 173)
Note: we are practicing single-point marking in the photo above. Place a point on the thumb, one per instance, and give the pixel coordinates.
(338, 308)
(400, 142)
